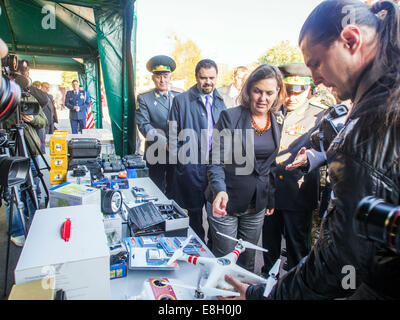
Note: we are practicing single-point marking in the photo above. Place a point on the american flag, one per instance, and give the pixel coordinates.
(89, 118)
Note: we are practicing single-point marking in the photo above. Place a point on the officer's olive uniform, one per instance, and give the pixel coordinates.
(152, 112)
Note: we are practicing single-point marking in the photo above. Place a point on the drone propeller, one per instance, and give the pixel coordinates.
(245, 244)
(205, 290)
(178, 253)
(273, 278)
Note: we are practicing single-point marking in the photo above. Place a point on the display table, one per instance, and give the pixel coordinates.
(133, 285)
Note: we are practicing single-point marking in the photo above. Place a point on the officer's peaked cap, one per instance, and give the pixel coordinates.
(297, 77)
(161, 64)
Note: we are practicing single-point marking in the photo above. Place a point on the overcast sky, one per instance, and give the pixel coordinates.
(235, 32)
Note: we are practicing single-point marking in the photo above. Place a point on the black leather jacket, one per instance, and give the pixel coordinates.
(362, 160)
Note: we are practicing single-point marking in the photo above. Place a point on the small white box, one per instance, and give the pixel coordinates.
(81, 265)
(79, 180)
(71, 194)
(112, 223)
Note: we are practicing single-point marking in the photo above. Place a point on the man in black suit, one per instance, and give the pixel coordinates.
(152, 115)
(196, 111)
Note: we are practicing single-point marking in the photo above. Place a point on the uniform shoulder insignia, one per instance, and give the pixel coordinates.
(145, 92)
(280, 119)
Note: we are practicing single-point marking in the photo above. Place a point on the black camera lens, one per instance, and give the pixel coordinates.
(11, 62)
(10, 96)
(378, 221)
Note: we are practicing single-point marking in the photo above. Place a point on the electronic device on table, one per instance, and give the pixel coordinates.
(145, 253)
(212, 279)
(153, 252)
(152, 219)
(157, 289)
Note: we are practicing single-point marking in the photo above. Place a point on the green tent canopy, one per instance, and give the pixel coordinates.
(87, 36)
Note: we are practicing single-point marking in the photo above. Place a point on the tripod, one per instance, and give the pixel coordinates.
(21, 148)
(12, 198)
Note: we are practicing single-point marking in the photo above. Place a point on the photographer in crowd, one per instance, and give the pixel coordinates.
(361, 60)
(44, 101)
(32, 124)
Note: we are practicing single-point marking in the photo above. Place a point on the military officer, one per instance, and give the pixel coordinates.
(77, 101)
(152, 114)
(297, 193)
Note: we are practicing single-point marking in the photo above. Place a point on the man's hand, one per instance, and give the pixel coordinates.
(76, 108)
(237, 286)
(269, 212)
(300, 159)
(219, 204)
(26, 118)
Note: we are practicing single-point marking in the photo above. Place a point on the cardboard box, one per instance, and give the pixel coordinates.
(118, 270)
(81, 266)
(59, 162)
(34, 290)
(71, 194)
(58, 145)
(61, 132)
(58, 176)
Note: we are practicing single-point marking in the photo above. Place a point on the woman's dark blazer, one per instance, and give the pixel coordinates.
(223, 177)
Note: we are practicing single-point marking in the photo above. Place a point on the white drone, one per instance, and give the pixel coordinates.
(217, 268)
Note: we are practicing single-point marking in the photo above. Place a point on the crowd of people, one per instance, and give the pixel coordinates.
(277, 103)
(234, 151)
(241, 154)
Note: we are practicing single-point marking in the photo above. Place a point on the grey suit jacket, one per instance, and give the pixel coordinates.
(152, 113)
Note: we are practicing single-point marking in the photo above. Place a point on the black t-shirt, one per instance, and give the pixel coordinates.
(264, 145)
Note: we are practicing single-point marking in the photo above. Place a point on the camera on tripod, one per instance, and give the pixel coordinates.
(10, 97)
(379, 221)
(330, 125)
(13, 170)
(14, 90)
